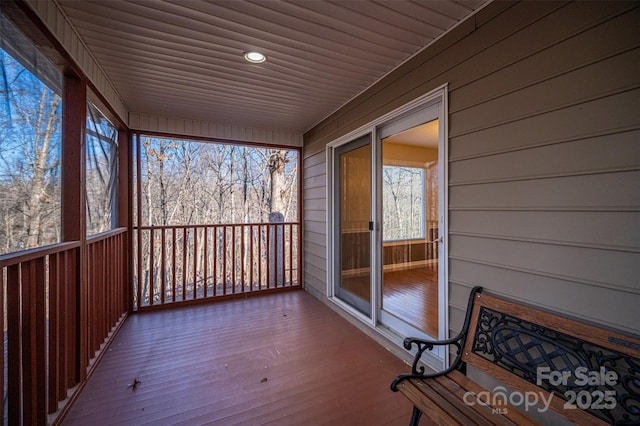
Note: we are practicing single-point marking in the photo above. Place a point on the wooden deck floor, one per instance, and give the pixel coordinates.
(282, 359)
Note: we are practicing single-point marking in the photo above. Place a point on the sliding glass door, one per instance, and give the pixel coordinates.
(387, 223)
(352, 253)
(410, 242)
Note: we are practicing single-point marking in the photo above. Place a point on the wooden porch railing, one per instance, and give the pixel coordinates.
(54, 322)
(107, 286)
(175, 264)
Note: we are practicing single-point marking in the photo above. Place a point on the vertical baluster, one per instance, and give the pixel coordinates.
(173, 261)
(233, 259)
(101, 293)
(250, 257)
(72, 302)
(91, 313)
(205, 261)
(54, 338)
(184, 263)
(290, 239)
(280, 243)
(109, 281)
(163, 267)
(151, 262)
(268, 255)
(2, 346)
(260, 256)
(40, 356)
(215, 261)
(112, 283)
(224, 260)
(33, 342)
(242, 277)
(63, 292)
(139, 265)
(14, 388)
(195, 262)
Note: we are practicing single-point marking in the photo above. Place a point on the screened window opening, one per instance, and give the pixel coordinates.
(30, 144)
(213, 219)
(102, 171)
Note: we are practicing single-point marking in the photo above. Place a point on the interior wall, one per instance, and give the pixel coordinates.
(544, 159)
(406, 155)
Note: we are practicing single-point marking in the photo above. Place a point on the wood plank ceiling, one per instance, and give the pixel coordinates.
(183, 58)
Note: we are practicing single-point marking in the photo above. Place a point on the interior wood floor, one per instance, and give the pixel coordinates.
(281, 359)
(410, 294)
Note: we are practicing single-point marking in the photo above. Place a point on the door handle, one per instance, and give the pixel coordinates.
(437, 240)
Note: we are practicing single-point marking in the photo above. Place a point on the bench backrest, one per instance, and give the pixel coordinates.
(590, 371)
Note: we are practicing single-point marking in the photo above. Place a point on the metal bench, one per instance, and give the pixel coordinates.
(584, 373)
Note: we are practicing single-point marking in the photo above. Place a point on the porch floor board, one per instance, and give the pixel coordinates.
(284, 359)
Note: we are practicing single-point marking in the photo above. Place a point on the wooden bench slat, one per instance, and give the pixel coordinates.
(479, 414)
(513, 414)
(428, 405)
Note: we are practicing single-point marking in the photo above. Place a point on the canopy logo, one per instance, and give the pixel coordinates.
(500, 399)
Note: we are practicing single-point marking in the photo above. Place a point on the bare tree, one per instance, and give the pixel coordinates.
(30, 156)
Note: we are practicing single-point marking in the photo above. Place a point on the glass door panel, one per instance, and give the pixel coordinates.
(410, 229)
(353, 205)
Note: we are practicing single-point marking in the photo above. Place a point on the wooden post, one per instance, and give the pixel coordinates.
(276, 249)
(73, 205)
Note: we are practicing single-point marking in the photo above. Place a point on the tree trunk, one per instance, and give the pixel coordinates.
(45, 124)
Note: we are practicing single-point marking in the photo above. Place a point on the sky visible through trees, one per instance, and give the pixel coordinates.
(205, 216)
(30, 142)
(186, 182)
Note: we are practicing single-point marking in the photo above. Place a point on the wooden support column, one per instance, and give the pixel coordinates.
(125, 212)
(74, 208)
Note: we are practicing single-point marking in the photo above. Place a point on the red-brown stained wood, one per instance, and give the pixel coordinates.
(283, 358)
(242, 257)
(195, 262)
(54, 336)
(290, 254)
(39, 358)
(163, 267)
(268, 256)
(215, 264)
(27, 340)
(205, 265)
(173, 265)
(14, 387)
(2, 346)
(259, 257)
(151, 262)
(185, 236)
(233, 259)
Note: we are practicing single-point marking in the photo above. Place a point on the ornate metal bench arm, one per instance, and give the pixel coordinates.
(417, 370)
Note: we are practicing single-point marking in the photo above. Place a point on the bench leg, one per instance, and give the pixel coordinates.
(415, 417)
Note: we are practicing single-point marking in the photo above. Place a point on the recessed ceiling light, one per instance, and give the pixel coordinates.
(254, 57)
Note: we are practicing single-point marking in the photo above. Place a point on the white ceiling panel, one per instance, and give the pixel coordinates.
(183, 58)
